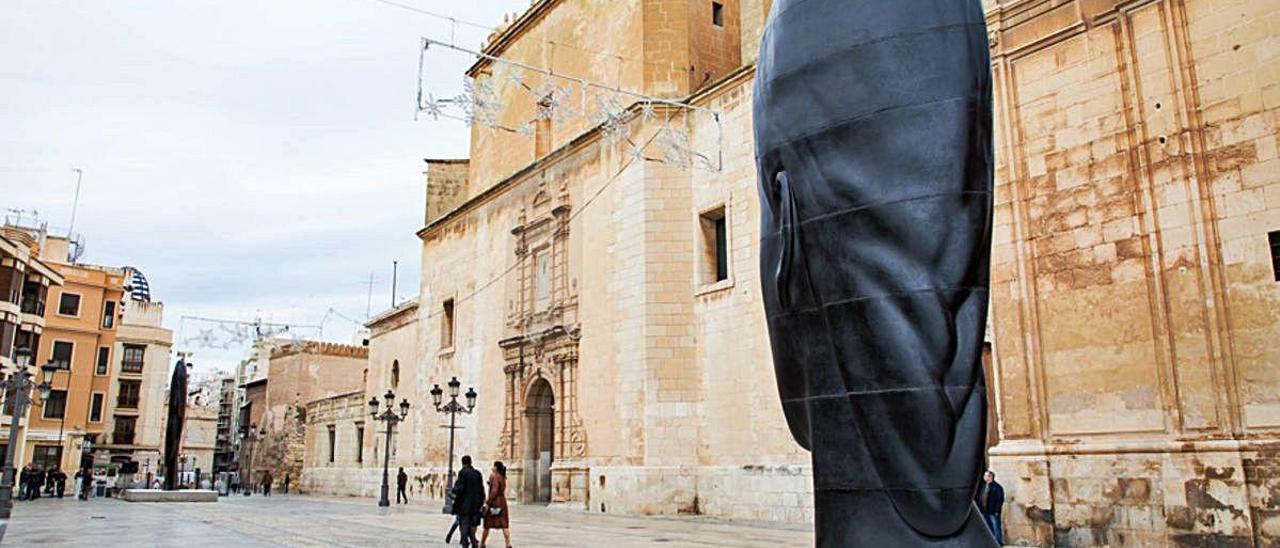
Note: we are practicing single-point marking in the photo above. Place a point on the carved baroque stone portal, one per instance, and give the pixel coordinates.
(874, 148)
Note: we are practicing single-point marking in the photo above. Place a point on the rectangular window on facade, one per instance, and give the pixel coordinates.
(1274, 239)
(128, 397)
(55, 406)
(95, 406)
(123, 433)
(717, 14)
(715, 246)
(109, 315)
(446, 325)
(542, 131)
(47, 456)
(333, 445)
(104, 360)
(542, 279)
(359, 443)
(69, 304)
(132, 360)
(62, 352)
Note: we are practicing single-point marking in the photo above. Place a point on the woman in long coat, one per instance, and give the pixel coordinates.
(495, 506)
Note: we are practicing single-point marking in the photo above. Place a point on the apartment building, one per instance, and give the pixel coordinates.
(24, 287)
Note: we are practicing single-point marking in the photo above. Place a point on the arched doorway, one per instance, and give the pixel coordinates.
(539, 439)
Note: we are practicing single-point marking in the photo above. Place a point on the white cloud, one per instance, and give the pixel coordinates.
(254, 159)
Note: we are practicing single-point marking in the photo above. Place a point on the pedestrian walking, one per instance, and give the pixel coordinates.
(496, 515)
(79, 479)
(235, 484)
(286, 484)
(59, 482)
(990, 500)
(86, 482)
(24, 476)
(402, 480)
(468, 498)
(266, 484)
(37, 481)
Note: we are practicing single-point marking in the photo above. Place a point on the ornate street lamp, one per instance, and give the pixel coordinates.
(47, 372)
(246, 439)
(390, 417)
(16, 387)
(452, 408)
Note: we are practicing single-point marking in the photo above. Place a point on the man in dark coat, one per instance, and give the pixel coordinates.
(402, 481)
(24, 476)
(990, 500)
(59, 479)
(468, 497)
(38, 477)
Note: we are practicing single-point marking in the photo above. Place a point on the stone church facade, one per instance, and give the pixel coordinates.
(607, 309)
(1134, 289)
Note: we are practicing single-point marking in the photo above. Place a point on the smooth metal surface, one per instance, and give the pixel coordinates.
(874, 149)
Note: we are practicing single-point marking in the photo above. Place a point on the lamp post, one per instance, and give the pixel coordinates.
(17, 386)
(49, 370)
(452, 408)
(246, 439)
(390, 417)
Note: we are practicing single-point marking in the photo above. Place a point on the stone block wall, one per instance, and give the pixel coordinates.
(1136, 368)
(1212, 494)
(446, 187)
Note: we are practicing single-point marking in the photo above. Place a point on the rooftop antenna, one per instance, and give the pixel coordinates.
(76, 201)
(368, 304)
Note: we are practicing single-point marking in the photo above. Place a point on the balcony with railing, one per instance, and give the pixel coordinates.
(11, 282)
(128, 395)
(132, 361)
(33, 297)
(124, 431)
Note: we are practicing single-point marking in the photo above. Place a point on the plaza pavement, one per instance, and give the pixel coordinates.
(292, 520)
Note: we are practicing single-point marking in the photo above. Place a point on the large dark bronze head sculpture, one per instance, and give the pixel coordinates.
(874, 149)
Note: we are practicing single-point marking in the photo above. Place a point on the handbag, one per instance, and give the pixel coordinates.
(495, 511)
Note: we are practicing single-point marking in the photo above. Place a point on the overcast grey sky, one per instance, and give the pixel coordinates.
(252, 158)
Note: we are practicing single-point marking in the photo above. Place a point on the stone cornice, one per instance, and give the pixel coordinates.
(513, 32)
(322, 349)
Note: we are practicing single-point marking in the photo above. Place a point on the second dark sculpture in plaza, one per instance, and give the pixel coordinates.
(874, 149)
(173, 429)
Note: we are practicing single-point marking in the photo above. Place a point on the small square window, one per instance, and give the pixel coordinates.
(104, 356)
(359, 442)
(62, 352)
(95, 407)
(1274, 238)
(109, 315)
(69, 304)
(55, 406)
(715, 246)
(717, 14)
(542, 279)
(128, 396)
(333, 435)
(446, 325)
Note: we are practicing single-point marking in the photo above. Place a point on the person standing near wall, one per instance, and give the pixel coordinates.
(990, 500)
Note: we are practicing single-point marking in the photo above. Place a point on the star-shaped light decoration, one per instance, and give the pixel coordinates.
(675, 148)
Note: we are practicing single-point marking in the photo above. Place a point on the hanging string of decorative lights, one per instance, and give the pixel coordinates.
(559, 98)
